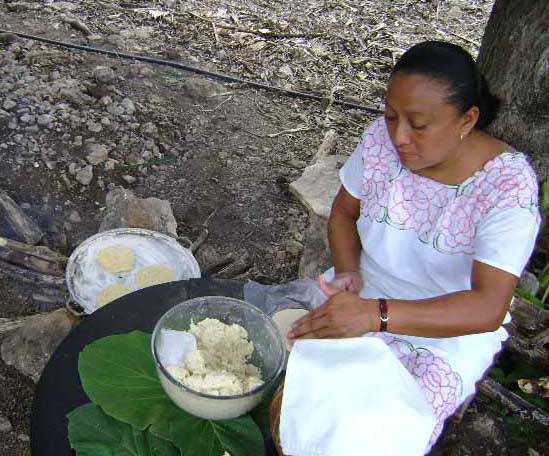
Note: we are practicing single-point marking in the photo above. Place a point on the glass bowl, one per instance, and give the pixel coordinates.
(269, 354)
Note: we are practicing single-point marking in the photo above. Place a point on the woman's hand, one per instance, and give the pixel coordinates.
(343, 315)
(350, 281)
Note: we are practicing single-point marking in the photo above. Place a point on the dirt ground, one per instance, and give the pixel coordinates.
(218, 151)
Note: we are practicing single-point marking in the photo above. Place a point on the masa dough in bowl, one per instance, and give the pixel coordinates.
(111, 293)
(116, 258)
(154, 275)
(220, 364)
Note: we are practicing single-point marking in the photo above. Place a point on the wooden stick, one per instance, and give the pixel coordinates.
(513, 401)
(37, 251)
(7, 324)
(22, 225)
(36, 278)
(30, 262)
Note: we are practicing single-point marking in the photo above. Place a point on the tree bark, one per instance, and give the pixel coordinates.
(514, 57)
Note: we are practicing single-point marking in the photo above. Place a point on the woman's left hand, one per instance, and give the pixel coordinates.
(342, 315)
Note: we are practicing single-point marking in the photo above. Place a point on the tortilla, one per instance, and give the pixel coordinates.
(116, 258)
(111, 293)
(284, 320)
(154, 275)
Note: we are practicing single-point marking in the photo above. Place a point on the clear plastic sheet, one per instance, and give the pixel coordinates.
(298, 294)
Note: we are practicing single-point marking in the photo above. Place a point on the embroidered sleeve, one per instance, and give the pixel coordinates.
(506, 235)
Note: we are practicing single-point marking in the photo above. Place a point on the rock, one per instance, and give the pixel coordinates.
(316, 257)
(5, 425)
(97, 153)
(8, 38)
(455, 13)
(318, 186)
(29, 347)
(45, 119)
(298, 164)
(529, 282)
(94, 127)
(128, 106)
(21, 6)
(9, 105)
(85, 175)
(125, 210)
(23, 437)
(75, 217)
(285, 71)
(27, 118)
(110, 164)
(63, 6)
(78, 141)
(139, 33)
(294, 247)
(115, 109)
(104, 74)
(201, 88)
(129, 179)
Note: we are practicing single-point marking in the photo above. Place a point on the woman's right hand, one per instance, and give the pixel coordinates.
(350, 281)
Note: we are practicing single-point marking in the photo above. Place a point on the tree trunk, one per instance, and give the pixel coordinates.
(514, 57)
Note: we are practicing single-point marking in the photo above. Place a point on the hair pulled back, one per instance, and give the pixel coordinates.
(453, 66)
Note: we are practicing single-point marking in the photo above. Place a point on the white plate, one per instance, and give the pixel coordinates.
(86, 278)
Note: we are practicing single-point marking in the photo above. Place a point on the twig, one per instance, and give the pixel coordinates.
(22, 225)
(513, 401)
(290, 131)
(464, 38)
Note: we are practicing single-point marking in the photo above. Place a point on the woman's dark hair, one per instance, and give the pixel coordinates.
(454, 67)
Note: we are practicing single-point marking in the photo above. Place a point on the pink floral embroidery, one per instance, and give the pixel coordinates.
(441, 385)
(445, 216)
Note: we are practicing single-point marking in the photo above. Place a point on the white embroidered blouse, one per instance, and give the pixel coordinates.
(420, 237)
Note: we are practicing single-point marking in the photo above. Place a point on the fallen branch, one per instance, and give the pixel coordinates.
(30, 262)
(290, 131)
(7, 324)
(22, 225)
(512, 401)
(217, 266)
(77, 25)
(35, 278)
(37, 251)
(235, 268)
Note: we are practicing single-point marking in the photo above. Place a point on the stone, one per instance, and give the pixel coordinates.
(455, 13)
(124, 209)
(129, 179)
(529, 282)
(104, 74)
(316, 257)
(74, 217)
(9, 104)
(285, 71)
(318, 186)
(45, 119)
(128, 106)
(5, 425)
(84, 175)
(63, 6)
(94, 127)
(97, 153)
(197, 88)
(115, 109)
(27, 118)
(29, 347)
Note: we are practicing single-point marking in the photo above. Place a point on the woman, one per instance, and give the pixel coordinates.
(430, 231)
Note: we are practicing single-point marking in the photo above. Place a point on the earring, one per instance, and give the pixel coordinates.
(461, 136)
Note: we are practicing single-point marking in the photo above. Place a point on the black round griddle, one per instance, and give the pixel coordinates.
(59, 390)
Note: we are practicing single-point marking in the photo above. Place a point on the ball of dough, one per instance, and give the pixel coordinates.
(284, 320)
(116, 258)
(111, 293)
(154, 275)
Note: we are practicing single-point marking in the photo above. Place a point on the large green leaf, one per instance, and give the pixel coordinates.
(94, 433)
(119, 375)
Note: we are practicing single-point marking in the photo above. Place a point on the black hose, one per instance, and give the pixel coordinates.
(181, 66)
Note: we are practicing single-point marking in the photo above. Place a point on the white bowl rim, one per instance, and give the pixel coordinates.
(176, 382)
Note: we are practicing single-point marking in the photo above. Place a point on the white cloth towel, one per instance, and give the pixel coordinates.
(350, 397)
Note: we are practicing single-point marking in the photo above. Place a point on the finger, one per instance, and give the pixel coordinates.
(309, 326)
(328, 289)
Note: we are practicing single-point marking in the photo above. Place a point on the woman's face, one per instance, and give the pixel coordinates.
(424, 128)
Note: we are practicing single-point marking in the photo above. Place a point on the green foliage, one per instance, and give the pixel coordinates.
(545, 197)
(529, 297)
(118, 374)
(94, 433)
